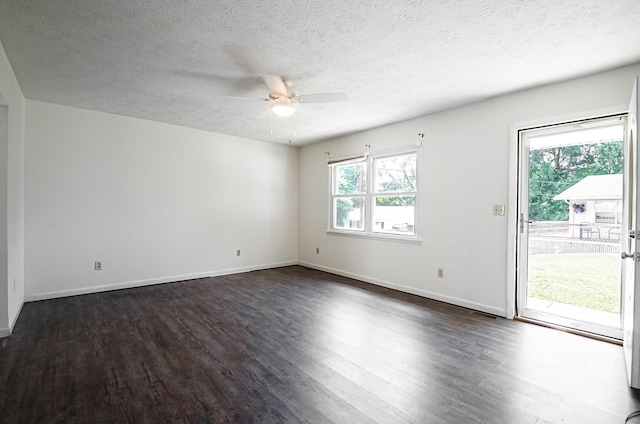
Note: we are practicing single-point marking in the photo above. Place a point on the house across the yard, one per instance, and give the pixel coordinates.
(595, 206)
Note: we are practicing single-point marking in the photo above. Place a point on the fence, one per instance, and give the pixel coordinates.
(562, 237)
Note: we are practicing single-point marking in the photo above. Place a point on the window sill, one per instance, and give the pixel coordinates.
(414, 239)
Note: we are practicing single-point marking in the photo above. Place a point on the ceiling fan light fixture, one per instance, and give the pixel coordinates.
(283, 109)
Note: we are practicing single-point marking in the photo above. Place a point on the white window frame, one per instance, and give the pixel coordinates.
(369, 196)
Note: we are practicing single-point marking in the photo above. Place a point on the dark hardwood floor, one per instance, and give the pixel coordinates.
(294, 345)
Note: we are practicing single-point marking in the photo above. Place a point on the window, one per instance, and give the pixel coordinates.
(349, 188)
(608, 211)
(375, 195)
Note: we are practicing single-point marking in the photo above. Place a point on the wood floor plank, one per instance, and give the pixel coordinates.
(295, 345)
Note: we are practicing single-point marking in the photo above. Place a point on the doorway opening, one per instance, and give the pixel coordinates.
(570, 202)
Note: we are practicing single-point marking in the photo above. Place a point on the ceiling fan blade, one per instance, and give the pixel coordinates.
(321, 98)
(275, 84)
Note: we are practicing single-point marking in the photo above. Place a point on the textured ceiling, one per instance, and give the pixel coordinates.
(180, 61)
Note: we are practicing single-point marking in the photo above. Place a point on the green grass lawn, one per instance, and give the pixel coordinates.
(589, 280)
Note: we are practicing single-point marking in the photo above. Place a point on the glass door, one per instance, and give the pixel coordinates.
(570, 210)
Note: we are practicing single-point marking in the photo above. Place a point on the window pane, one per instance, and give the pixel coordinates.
(394, 214)
(350, 178)
(605, 217)
(349, 213)
(395, 174)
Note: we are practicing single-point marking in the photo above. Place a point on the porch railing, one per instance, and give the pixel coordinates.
(563, 237)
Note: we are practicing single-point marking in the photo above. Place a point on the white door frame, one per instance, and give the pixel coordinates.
(630, 264)
(512, 210)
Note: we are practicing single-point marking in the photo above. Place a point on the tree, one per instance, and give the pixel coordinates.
(554, 169)
(396, 174)
(350, 179)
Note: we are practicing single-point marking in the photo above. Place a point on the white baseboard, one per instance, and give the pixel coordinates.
(149, 282)
(141, 283)
(423, 293)
(5, 332)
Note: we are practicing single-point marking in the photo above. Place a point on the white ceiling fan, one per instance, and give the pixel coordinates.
(283, 102)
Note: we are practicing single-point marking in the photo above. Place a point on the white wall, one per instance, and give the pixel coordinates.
(12, 203)
(154, 202)
(4, 245)
(465, 169)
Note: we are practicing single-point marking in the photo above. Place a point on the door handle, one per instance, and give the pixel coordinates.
(625, 255)
(522, 222)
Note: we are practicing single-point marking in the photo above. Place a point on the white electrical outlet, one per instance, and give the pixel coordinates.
(97, 265)
(238, 252)
(317, 250)
(440, 273)
(498, 210)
